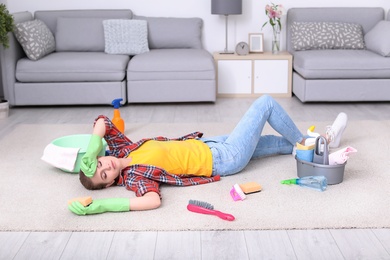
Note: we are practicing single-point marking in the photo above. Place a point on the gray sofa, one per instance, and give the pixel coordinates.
(80, 72)
(336, 75)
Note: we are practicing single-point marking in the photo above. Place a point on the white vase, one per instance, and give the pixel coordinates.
(4, 109)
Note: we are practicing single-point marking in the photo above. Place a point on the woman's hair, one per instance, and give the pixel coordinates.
(88, 184)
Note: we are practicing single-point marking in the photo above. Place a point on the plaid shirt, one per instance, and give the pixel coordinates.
(142, 178)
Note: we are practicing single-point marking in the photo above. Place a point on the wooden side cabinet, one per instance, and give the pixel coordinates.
(254, 74)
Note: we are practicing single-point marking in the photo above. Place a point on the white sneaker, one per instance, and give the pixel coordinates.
(335, 131)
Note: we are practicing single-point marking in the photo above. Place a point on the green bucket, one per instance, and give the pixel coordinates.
(77, 141)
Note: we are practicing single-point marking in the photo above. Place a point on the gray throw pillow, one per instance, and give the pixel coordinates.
(125, 36)
(326, 35)
(35, 38)
(378, 38)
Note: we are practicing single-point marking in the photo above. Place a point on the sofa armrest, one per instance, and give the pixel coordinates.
(10, 56)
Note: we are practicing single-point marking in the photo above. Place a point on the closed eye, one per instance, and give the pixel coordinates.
(103, 175)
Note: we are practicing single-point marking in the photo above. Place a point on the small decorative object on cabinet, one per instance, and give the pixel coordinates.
(253, 75)
(242, 48)
(256, 42)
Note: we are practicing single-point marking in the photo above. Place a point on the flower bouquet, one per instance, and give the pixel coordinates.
(274, 13)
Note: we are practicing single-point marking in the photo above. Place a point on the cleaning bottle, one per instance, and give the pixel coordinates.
(117, 120)
(314, 182)
(311, 136)
(310, 132)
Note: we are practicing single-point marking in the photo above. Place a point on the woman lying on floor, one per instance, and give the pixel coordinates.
(188, 160)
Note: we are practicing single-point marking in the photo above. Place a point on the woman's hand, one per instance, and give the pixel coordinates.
(88, 161)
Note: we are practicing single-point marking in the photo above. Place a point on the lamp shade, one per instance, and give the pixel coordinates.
(226, 7)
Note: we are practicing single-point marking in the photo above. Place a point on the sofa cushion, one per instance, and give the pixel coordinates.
(73, 67)
(326, 35)
(341, 64)
(35, 38)
(173, 33)
(378, 38)
(79, 34)
(125, 36)
(173, 64)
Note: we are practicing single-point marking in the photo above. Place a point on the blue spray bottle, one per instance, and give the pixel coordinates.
(314, 182)
(117, 120)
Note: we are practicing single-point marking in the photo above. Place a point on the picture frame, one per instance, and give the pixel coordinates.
(256, 42)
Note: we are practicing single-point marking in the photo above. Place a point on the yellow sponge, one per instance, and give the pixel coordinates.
(250, 187)
(85, 201)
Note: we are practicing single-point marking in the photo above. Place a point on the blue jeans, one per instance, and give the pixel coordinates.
(231, 153)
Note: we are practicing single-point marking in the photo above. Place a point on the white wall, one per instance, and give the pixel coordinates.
(240, 26)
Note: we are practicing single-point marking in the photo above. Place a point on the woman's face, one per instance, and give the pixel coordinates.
(108, 169)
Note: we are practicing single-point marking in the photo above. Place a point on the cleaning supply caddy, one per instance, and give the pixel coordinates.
(320, 164)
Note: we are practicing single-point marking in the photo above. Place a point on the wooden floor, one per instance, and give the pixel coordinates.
(253, 244)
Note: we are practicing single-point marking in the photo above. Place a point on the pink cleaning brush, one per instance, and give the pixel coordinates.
(206, 208)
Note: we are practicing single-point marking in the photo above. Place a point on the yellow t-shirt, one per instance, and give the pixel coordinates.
(176, 157)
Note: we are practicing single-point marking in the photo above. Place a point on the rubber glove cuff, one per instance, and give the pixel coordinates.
(95, 145)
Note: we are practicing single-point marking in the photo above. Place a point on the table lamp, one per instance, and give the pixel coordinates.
(226, 7)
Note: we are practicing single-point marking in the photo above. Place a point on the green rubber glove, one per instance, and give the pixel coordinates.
(89, 161)
(100, 206)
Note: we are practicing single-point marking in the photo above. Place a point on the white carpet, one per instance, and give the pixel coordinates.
(33, 195)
